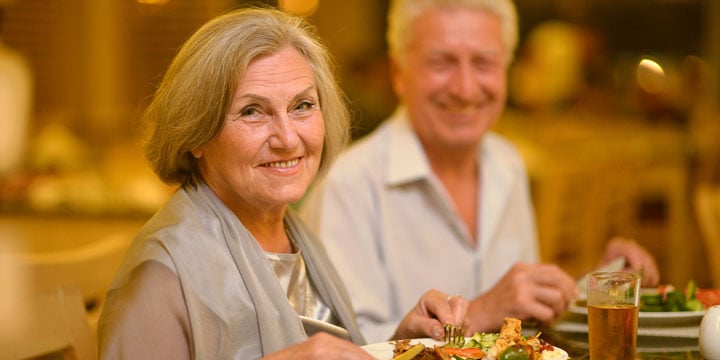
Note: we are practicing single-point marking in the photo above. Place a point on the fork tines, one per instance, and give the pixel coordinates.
(453, 335)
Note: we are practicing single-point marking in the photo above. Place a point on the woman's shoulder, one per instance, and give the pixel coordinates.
(177, 233)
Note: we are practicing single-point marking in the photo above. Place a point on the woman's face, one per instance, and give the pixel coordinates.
(268, 152)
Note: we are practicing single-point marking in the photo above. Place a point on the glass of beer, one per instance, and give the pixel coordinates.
(612, 301)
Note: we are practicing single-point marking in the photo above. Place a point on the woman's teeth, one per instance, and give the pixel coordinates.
(283, 164)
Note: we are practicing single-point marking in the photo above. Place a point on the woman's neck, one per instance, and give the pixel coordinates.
(268, 228)
(271, 238)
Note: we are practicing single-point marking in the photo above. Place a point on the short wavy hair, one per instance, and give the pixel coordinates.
(191, 102)
(402, 13)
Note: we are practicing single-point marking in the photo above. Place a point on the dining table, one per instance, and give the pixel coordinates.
(672, 337)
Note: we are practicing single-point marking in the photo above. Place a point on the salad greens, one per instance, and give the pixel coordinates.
(483, 341)
(667, 298)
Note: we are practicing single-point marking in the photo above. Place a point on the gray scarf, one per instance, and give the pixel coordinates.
(278, 322)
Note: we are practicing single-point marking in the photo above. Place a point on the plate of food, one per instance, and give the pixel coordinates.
(664, 305)
(659, 318)
(507, 344)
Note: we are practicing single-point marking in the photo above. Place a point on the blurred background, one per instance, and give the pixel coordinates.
(613, 104)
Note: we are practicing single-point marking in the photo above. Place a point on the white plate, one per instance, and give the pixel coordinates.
(653, 318)
(384, 350)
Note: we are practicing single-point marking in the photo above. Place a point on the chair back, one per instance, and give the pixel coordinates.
(90, 268)
(47, 325)
(707, 208)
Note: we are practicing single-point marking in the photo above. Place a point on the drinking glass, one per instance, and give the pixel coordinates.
(612, 300)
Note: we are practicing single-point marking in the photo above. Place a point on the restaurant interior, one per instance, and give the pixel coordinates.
(613, 104)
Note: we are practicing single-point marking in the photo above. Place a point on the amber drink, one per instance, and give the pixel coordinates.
(613, 315)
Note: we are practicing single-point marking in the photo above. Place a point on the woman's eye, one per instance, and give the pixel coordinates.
(249, 114)
(248, 111)
(305, 105)
(304, 108)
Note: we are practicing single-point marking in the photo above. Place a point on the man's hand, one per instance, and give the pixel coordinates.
(538, 292)
(637, 259)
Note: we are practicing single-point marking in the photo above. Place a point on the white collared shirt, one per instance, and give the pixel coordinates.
(393, 233)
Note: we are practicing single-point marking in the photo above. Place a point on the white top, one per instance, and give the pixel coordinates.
(301, 293)
(393, 233)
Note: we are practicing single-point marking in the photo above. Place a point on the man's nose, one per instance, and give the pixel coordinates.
(464, 82)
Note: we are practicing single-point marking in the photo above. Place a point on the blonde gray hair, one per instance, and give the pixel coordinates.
(402, 13)
(190, 105)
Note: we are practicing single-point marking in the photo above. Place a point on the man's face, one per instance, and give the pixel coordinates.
(453, 77)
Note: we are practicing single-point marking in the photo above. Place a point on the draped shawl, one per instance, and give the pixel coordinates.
(235, 304)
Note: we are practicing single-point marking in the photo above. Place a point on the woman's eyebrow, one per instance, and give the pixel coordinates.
(252, 96)
(307, 91)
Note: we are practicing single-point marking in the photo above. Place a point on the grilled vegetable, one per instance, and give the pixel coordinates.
(468, 353)
(411, 353)
(517, 352)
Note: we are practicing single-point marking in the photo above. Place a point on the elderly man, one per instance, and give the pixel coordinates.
(433, 198)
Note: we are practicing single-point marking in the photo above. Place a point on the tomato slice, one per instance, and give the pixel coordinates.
(663, 290)
(469, 353)
(708, 297)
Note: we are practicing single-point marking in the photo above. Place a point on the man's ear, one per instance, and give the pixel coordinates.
(396, 77)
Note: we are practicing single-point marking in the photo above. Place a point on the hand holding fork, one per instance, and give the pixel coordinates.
(454, 335)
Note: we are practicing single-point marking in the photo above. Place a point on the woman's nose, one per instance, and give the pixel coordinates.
(284, 134)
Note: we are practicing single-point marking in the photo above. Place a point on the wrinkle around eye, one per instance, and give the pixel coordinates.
(250, 120)
(302, 117)
(305, 113)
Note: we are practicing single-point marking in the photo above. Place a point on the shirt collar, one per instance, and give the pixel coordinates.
(407, 160)
(408, 163)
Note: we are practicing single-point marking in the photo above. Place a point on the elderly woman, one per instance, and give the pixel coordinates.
(246, 117)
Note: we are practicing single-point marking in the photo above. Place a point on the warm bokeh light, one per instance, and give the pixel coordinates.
(299, 7)
(153, 2)
(650, 76)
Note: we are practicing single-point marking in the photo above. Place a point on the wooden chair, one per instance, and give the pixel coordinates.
(47, 325)
(89, 268)
(707, 208)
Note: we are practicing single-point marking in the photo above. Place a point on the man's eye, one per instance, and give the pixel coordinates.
(439, 61)
(438, 64)
(489, 62)
(485, 64)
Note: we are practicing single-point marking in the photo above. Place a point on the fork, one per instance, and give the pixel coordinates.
(453, 335)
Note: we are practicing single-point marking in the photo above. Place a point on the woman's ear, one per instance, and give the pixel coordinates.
(196, 153)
